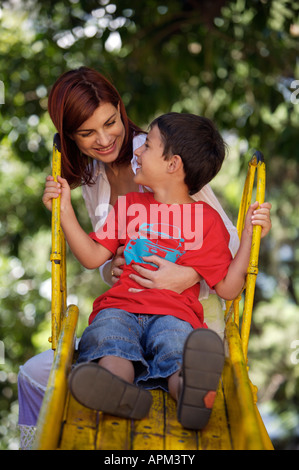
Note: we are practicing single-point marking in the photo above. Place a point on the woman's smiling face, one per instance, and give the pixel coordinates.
(102, 135)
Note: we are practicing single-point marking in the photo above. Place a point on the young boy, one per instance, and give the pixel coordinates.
(157, 338)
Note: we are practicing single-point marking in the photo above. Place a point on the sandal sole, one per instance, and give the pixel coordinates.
(203, 361)
(98, 389)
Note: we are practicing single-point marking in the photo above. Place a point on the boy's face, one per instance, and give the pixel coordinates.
(151, 163)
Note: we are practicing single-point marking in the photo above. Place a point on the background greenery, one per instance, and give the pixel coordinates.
(233, 61)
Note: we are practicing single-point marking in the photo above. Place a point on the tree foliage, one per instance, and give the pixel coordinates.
(233, 61)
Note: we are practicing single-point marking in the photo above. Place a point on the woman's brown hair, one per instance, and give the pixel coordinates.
(73, 99)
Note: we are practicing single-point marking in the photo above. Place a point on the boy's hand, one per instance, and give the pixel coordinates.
(258, 216)
(53, 189)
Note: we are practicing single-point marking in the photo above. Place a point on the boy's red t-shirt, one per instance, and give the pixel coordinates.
(188, 234)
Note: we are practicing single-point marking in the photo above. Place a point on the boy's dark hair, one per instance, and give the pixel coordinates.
(197, 141)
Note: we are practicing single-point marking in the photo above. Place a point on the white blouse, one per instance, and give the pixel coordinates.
(97, 201)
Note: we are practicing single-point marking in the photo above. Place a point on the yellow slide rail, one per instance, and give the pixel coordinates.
(250, 433)
(235, 422)
(58, 259)
(256, 167)
(63, 328)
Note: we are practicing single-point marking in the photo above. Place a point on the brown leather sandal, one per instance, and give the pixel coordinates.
(203, 361)
(97, 388)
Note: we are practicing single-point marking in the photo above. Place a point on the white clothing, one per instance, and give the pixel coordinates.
(97, 196)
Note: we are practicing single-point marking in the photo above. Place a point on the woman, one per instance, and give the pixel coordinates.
(97, 145)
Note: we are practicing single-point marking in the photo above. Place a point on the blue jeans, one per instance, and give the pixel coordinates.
(154, 343)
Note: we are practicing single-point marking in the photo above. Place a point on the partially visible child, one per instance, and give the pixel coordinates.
(157, 338)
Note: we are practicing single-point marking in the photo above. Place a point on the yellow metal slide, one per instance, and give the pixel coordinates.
(235, 422)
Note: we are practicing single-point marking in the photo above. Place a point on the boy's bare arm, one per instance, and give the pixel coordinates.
(88, 252)
(230, 287)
